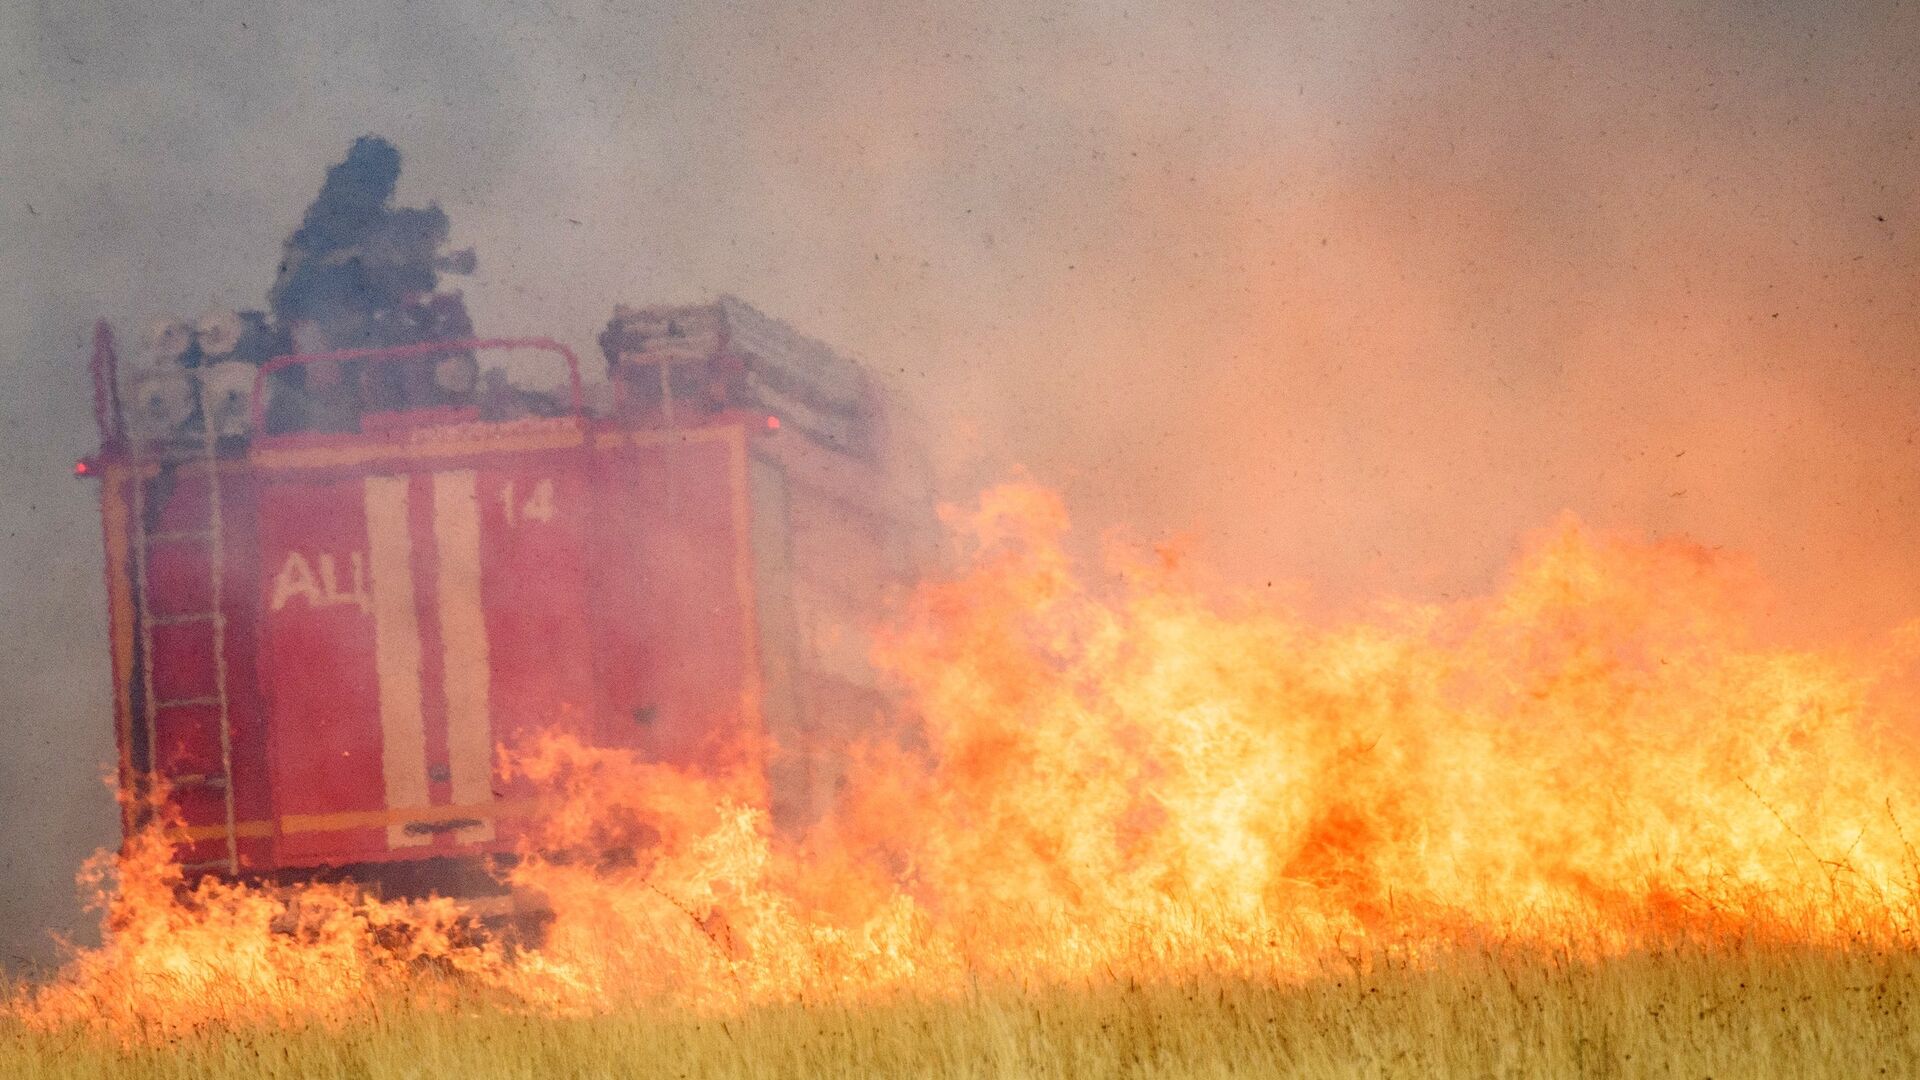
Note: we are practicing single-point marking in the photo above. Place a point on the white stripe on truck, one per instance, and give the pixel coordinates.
(463, 637)
(396, 652)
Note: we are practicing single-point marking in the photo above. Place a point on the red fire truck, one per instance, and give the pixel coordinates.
(321, 638)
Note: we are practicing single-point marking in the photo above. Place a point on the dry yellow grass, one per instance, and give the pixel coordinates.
(1739, 1011)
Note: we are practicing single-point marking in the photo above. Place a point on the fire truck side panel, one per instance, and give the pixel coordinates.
(845, 538)
(680, 682)
(342, 664)
(518, 644)
(451, 622)
(789, 762)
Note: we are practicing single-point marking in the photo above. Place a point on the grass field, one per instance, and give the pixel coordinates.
(1739, 1011)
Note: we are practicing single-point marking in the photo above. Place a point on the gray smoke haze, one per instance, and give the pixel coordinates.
(1352, 294)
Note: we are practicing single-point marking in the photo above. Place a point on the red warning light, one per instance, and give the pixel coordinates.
(83, 467)
(773, 423)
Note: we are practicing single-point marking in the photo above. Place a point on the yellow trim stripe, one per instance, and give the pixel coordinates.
(359, 819)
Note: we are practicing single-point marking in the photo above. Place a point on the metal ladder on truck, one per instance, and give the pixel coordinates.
(144, 541)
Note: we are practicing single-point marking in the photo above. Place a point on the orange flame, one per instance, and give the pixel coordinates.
(177, 957)
(1143, 780)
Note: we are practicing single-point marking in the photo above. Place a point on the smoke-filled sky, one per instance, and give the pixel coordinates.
(1353, 295)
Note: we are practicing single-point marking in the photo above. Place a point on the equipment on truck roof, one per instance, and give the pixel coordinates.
(708, 357)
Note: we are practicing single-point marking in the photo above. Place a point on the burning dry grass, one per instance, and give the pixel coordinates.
(1734, 1010)
(1588, 823)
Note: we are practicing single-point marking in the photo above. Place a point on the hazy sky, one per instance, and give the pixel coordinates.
(1354, 294)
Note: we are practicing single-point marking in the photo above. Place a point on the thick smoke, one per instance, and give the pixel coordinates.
(1353, 296)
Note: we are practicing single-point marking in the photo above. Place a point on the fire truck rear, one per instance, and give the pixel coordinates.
(327, 621)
